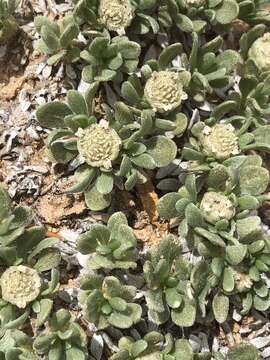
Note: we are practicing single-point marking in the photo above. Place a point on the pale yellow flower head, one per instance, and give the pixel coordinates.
(216, 207)
(219, 141)
(260, 52)
(164, 91)
(116, 15)
(20, 285)
(99, 145)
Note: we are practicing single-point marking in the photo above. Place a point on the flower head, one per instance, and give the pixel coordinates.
(164, 91)
(20, 285)
(242, 281)
(219, 141)
(116, 15)
(99, 145)
(216, 207)
(260, 52)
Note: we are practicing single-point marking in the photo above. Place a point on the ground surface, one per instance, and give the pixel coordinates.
(26, 82)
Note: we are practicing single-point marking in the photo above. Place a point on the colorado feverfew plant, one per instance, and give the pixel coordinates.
(118, 149)
(58, 39)
(106, 301)
(25, 256)
(112, 246)
(63, 338)
(177, 90)
(8, 23)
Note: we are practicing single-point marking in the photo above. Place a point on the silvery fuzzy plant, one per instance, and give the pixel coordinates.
(242, 351)
(25, 254)
(213, 142)
(109, 58)
(24, 292)
(151, 345)
(124, 16)
(58, 39)
(155, 346)
(8, 24)
(164, 87)
(112, 246)
(114, 15)
(220, 225)
(172, 288)
(253, 13)
(194, 15)
(119, 148)
(251, 100)
(142, 16)
(62, 339)
(23, 243)
(175, 349)
(16, 345)
(106, 301)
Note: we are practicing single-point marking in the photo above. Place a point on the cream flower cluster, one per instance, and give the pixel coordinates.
(115, 14)
(164, 91)
(260, 52)
(216, 207)
(219, 141)
(99, 145)
(20, 285)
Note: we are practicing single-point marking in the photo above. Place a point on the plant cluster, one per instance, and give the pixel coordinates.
(163, 82)
(8, 24)
(158, 347)
(26, 256)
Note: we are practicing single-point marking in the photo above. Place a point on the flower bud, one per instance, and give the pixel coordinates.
(259, 52)
(99, 145)
(20, 285)
(242, 281)
(164, 91)
(216, 207)
(219, 141)
(116, 15)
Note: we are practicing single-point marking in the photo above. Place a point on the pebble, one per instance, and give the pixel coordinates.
(266, 352)
(195, 342)
(236, 316)
(260, 342)
(97, 346)
(46, 72)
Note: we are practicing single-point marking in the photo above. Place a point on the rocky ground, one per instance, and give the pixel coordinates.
(26, 82)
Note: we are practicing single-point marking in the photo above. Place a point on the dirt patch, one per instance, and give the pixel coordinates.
(53, 208)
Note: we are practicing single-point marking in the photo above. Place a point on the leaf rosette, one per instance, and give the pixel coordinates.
(112, 246)
(120, 149)
(25, 255)
(106, 301)
(8, 24)
(130, 349)
(15, 344)
(109, 59)
(202, 69)
(171, 289)
(63, 337)
(58, 39)
(222, 227)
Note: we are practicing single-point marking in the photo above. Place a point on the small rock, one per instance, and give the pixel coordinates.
(266, 352)
(260, 342)
(46, 72)
(236, 316)
(96, 346)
